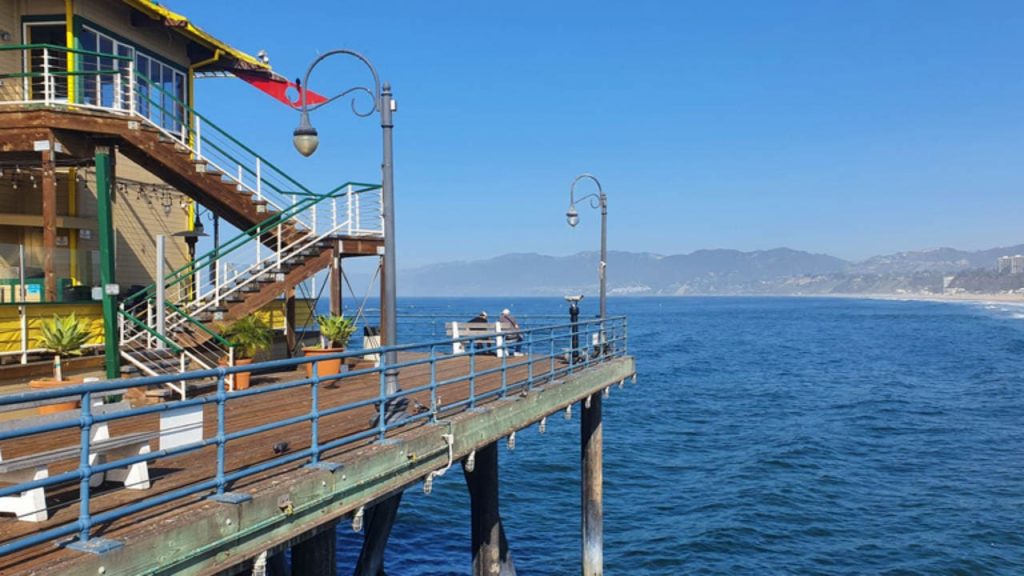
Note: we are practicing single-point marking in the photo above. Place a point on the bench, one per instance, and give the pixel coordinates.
(30, 505)
(488, 334)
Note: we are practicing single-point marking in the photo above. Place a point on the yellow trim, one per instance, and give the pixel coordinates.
(186, 28)
(73, 234)
(69, 39)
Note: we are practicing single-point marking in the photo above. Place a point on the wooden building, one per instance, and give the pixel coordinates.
(102, 153)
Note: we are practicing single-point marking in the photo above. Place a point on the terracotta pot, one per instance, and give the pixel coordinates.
(241, 378)
(330, 367)
(49, 384)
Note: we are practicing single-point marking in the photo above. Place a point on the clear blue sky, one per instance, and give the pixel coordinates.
(852, 128)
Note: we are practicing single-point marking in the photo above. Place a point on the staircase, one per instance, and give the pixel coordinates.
(289, 232)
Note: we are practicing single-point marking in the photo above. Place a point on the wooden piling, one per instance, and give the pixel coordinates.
(378, 521)
(49, 194)
(592, 486)
(491, 556)
(315, 556)
(289, 322)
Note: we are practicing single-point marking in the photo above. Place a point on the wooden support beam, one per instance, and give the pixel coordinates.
(49, 186)
(491, 556)
(289, 321)
(378, 520)
(336, 281)
(591, 440)
(315, 556)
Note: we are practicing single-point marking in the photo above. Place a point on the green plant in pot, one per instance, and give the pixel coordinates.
(63, 336)
(335, 332)
(249, 336)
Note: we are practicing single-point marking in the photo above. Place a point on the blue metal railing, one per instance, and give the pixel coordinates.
(552, 343)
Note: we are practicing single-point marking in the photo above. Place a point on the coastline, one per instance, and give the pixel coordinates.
(1003, 298)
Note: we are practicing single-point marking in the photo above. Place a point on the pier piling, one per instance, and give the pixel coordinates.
(491, 556)
(315, 556)
(379, 519)
(591, 493)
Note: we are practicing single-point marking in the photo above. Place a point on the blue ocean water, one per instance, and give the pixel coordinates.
(767, 436)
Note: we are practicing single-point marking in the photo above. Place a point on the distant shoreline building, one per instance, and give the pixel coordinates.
(1010, 264)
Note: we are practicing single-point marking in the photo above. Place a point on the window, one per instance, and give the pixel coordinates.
(160, 90)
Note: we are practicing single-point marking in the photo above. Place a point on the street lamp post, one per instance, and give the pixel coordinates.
(381, 517)
(591, 434)
(598, 200)
(306, 140)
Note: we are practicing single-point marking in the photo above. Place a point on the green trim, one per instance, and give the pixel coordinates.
(104, 183)
(217, 337)
(37, 18)
(170, 343)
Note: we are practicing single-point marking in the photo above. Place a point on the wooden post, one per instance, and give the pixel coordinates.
(277, 565)
(593, 479)
(289, 321)
(336, 281)
(315, 555)
(49, 178)
(491, 556)
(378, 521)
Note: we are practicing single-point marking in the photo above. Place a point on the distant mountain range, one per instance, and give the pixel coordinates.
(725, 272)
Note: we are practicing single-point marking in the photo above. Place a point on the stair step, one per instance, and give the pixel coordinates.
(250, 288)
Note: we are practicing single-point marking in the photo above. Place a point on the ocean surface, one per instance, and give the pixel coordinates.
(766, 436)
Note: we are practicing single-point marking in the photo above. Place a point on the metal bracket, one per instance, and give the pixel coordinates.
(471, 461)
(96, 546)
(331, 467)
(231, 497)
(568, 412)
(357, 520)
(607, 391)
(543, 425)
(512, 441)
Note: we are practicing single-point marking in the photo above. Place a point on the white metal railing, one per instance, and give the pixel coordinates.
(112, 85)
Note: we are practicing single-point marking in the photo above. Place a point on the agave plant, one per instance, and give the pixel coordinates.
(336, 330)
(250, 335)
(64, 336)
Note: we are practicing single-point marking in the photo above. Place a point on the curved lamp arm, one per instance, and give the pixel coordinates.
(597, 200)
(305, 136)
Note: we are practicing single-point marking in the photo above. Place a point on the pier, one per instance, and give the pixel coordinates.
(281, 464)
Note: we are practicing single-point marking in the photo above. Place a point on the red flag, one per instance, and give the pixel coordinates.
(280, 89)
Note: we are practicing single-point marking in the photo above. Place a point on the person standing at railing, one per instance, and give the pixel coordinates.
(511, 326)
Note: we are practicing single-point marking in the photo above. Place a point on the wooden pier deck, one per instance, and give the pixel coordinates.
(371, 470)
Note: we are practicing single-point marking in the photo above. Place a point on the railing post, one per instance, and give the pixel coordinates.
(472, 374)
(131, 87)
(433, 384)
(313, 210)
(47, 78)
(348, 208)
(199, 136)
(334, 214)
(529, 360)
(503, 350)
(314, 414)
(259, 178)
(241, 175)
(382, 424)
(551, 354)
(117, 91)
(221, 399)
(84, 468)
(149, 323)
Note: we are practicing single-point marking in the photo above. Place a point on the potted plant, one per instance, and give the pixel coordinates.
(63, 336)
(250, 335)
(335, 332)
